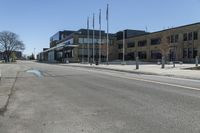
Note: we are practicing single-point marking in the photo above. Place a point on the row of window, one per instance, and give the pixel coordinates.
(141, 54)
(190, 52)
(155, 41)
(132, 44)
(96, 41)
(173, 38)
(156, 54)
(190, 36)
(129, 45)
(170, 39)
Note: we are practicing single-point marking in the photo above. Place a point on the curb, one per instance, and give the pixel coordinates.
(3, 104)
(134, 72)
(6, 98)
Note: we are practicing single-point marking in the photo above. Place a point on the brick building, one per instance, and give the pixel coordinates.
(179, 44)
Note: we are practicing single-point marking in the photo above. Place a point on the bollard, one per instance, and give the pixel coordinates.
(174, 65)
(137, 62)
(163, 62)
(197, 61)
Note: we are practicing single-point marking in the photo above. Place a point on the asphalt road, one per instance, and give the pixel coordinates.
(72, 100)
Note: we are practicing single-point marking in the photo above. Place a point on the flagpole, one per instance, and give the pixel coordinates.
(93, 39)
(88, 37)
(107, 40)
(82, 50)
(100, 35)
(123, 45)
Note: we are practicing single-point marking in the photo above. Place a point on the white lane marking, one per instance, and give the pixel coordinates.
(144, 80)
(162, 83)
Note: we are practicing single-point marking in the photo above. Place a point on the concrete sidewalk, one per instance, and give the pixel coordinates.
(8, 78)
(150, 69)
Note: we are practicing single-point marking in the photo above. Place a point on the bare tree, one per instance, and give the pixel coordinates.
(10, 42)
(165, 46)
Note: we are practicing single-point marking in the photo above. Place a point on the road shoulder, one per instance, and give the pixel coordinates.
(7, 82)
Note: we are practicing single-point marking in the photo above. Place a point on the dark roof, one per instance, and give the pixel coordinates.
(147, 33)
(129, 33)
(85, 32)
(178, 27)
(67, 32)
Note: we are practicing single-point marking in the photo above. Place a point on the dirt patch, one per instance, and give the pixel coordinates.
(193, 68)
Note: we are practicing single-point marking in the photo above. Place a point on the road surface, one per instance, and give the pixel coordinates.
(59, 99)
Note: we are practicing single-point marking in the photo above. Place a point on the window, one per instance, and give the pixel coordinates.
(176, 38)
(168, 39)
(120, 55)
(142, 55)
(155, 54)
(189, 52)
(155, 41)
(195, 35)
(185, 37)
(120, 46)
(172, 54)
(130, 56)
(190, 36)
(142, 43)
(111, 42)
(185, 53)
(195, 52)
(172, 39)
(131, 44)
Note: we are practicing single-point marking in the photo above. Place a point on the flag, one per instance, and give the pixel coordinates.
(88, 23)
(93, 20)
(107, 12)
(100, 16)
(146, 28)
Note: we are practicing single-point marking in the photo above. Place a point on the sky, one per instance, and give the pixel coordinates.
(35, 21)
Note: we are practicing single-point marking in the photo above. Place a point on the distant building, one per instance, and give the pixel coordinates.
(74, 47)
(60, 35)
